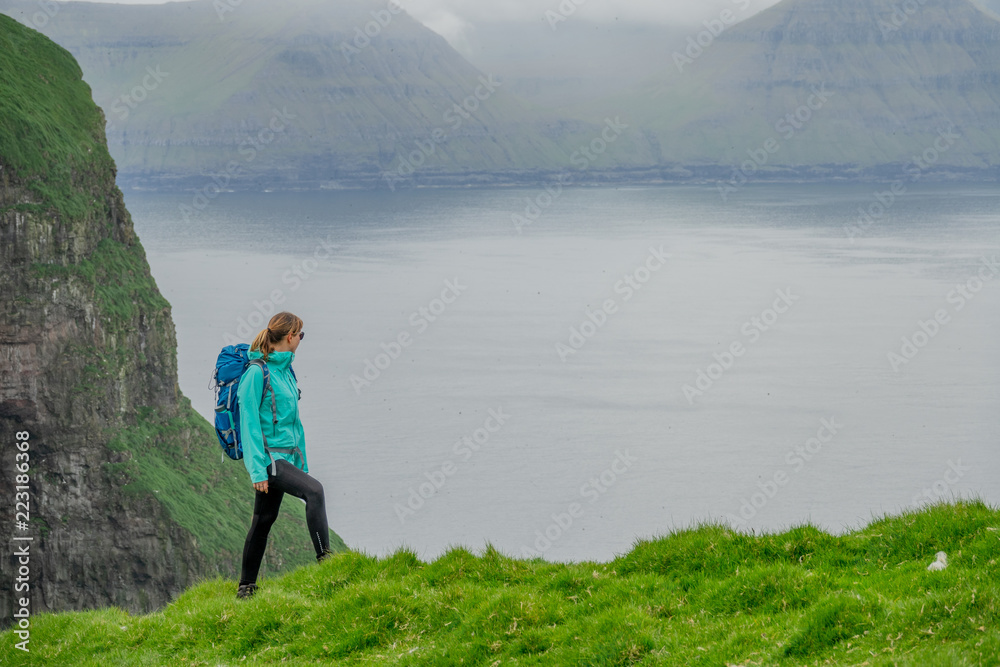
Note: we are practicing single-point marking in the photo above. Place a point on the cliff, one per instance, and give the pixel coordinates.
(129, 503)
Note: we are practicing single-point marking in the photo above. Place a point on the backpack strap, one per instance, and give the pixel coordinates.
(274, 408)
(274, 415)
(270, 450)
(267, 386)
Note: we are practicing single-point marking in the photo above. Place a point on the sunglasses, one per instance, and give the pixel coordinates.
(302, 334)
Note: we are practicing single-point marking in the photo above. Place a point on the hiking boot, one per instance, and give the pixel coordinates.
(246, 591)
(326, 555)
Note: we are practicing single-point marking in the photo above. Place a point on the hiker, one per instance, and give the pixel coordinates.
(274, 445)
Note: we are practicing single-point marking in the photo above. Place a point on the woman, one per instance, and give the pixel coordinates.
(274, 445)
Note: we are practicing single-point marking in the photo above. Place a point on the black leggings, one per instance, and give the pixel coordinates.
(288, 479)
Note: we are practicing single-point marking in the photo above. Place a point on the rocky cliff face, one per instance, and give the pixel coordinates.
(88, 367)
(94, 544)
(73, 372)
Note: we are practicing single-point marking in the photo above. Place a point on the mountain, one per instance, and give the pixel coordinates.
(832, 87)
(125, 500)
(991, 6)
(294, 94)
(212, 95)
(577, 63)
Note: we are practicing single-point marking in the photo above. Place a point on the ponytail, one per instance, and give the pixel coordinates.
(280, 326)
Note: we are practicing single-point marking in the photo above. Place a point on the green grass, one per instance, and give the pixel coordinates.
(707, 596)
(51, 133)
(179, 462)
(119, 277)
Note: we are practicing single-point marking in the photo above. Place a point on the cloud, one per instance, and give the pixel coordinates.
(594, 11)
(453, 18)
(449, 25)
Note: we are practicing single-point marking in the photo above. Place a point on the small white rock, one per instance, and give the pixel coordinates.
(940, 564)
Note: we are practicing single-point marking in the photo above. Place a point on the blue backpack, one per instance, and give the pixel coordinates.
(232, 363)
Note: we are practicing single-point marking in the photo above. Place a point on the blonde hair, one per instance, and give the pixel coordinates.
(280, 326)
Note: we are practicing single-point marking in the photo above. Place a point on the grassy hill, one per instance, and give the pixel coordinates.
(708, 596)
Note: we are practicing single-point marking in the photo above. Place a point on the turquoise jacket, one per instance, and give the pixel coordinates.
(286, 439)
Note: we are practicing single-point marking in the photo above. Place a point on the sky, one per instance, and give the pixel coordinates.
(455, 20)
(476, 11)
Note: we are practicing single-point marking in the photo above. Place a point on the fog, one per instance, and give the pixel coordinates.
(457, 19)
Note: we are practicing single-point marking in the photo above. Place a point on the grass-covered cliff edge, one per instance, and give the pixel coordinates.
(708, 596)
(129, 501)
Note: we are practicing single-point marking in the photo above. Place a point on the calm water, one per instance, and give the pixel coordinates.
(480, 429)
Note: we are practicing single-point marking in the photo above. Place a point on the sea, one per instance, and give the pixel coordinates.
(563, 372)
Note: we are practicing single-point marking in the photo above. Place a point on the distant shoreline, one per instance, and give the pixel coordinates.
(667, 175)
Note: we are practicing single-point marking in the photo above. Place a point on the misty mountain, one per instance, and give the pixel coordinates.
(575, 63)
(992, 6)
(301, 93)
(224, 94)
(842, 87)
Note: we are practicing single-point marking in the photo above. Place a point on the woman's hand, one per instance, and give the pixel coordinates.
(261, 486)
